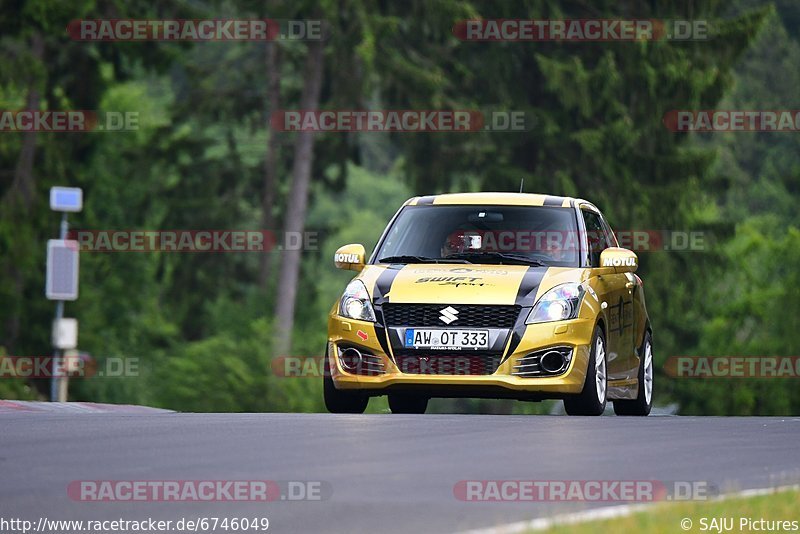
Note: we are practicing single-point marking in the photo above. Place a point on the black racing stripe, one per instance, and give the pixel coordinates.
(525, 295)
(518, 332)
(383, 286)
(425, 200)
(384, 283)
(529, 284)
(551, 200)
(380, 333)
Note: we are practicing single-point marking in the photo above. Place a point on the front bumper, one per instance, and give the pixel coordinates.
(576, 334)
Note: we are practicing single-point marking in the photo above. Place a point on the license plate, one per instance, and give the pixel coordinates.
(423, 338)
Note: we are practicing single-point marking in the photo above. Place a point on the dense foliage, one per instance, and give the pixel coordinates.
(203, 326)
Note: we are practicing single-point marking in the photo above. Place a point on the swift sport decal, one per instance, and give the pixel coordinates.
(457, 281)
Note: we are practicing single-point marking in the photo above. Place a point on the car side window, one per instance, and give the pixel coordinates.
(595, 235)
(611, 238)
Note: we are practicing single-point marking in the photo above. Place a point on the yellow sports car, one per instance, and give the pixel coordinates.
(491, 295)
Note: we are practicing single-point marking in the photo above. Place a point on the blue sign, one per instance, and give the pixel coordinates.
(66, 199)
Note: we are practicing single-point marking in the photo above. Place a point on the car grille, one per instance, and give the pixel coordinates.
(469, 316)
(447, 363)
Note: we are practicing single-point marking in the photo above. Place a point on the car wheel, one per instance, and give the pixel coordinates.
(408, 404)
(341, 401)
(592, 400)
(644, 399)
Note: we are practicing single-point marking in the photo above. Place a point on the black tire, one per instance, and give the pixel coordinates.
(408, 403)
(588, 401)
(341, 401)
(640, 406)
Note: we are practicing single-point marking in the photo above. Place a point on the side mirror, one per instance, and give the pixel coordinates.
(350, 257)
(621, 259)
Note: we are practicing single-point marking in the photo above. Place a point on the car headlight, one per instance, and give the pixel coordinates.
(355, 303)
(558, 304)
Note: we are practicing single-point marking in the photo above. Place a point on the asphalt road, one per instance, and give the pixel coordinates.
(380, 473)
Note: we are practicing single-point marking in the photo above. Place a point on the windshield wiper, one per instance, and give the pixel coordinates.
(503, 256)
(418, 259)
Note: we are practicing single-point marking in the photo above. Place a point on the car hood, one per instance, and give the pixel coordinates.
(463, 284)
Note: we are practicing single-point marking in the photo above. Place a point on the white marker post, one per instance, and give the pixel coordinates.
(62, 284)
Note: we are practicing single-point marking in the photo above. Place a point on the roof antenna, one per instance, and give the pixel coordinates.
(521, 183)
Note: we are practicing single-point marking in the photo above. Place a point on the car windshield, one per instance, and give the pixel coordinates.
(533, 235)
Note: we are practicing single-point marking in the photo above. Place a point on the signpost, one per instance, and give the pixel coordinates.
(62, 283)
(62, 268)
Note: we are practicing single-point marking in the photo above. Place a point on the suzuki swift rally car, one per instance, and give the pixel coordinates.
(491, 295)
